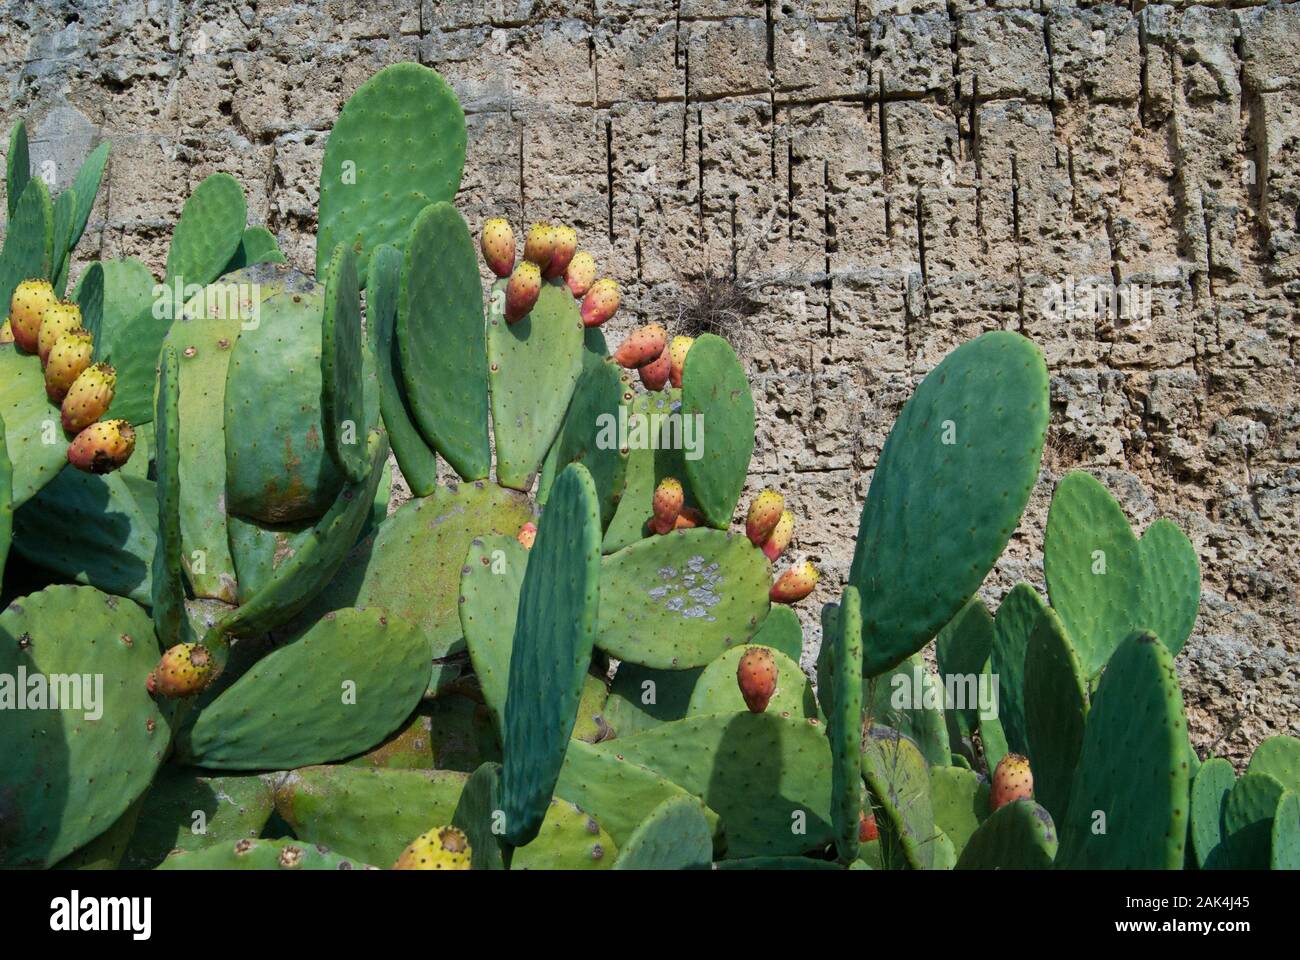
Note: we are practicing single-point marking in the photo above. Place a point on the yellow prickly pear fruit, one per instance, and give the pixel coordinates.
(442, 848)
(30, 301)
(55, 322)
(498, 246)
(183, 671)
(68, 359)
(89, 396)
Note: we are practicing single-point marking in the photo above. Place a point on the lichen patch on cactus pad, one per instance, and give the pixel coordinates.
(692, 592)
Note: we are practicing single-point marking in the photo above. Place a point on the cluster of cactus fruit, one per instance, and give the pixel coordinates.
(565, 658)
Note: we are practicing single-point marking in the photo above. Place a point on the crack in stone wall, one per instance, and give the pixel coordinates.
(885, 179)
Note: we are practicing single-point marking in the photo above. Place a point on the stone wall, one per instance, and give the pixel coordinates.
(883, 181)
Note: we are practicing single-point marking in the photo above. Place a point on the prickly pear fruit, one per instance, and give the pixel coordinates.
(442, 848)
(30, 301)
(6, 333)
(764, 514)
(522, 290)
(58, 320)
(756, 676)
(183, 671)
(498, 245)
(1012, 780)
(89, 396)
(539, 244)
(527, 534)
(775, 544)
(581, 273)
(688, 519)
(70, 355)
(599, 304)
(668, 500)
(564, 247)
(655, 373)
(641, 346)
(794, 584)
(102, 447)
(677, 351)
(867, 829)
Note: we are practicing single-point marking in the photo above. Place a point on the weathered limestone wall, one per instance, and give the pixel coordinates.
(885, 179)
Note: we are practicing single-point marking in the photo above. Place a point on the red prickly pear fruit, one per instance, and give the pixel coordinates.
(498, 245)
(688, 519)
(1012, 780)
(794, 584)
(30, 301)
(756, 677)
(669, 497)
(782, 533)
(539, 244)
(183, 671)
(641, 346)
(677, 351)
(89, 397)
(527, 534)
(6, 333)
(442, 848)
(69, 357)
(522, 290)
(764, 514)
(867, 829)
(102, 447)
(564, 248)
(581, 273)
(60, 319)
(599, 305)
(655, 373)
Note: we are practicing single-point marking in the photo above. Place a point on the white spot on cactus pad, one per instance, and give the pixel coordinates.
(692, 592)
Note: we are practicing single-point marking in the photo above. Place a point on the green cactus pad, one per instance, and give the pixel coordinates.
(614, 790)
(899, 781)
(676, 836)
(342, 397)
(1055, 712)
(1019, 836)
(366, 813)
(209, 231)
(589, 435)
(717, 690)
(551, 650)
(782, 631)
(960, 799)
(6, 501)
(168, 590)
(1285, 842)
(18, 165)
(641, 698)
(451, 732)
(962, 648)
(337, 690)
(992, 737)
(533, 368)
(99, 530)
(1171, 584)
(681, 600)
(476, 814)
(65, 210)
(398, 145)
(69, 777)
(412, 567)
(117, 299)
(766, 776)
(86, 186)
(257, 245)
(715, 391)
(261, 855)
(830, 623)
(203, 348)
(29, 241)
(416, 458)
(187, 811)
(568, 839)
(654, 426)
(440, 344)
(105, 852)
(844, 723)
(490, 584)
(1279, 757)
(278, 466)
(29, 422)
(1132, 768)
(1210, 789)
(589, 720)
(1248, 814)
(1017, 615)
(919, 715)
(781, 863)
(954, 475)
(1093, 568)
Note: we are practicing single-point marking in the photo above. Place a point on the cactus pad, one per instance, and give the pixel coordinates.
(1210, 789)
(844, 723)
(715, 391)
(899, 781)
(29, 241)
(642, 697)
(1017, 615)
(18, 165)
(117, 306)
(490, 583)
(167, 588)
(675, 836)
(208, 232)
(918, 715)
(38, 447)
(962, 648)
(1055, 711)
(960, 799)
(261, 855)
(475, 813)
(1171, 584)
(716, 690)
(1248, 814)
(1278, 756)
(1019, 836)
(343, 413)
